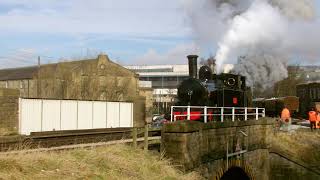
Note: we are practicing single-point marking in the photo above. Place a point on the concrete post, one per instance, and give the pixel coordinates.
(205, 114)
(222, 114)
(245, 113)
(171, 117)
(233, 110)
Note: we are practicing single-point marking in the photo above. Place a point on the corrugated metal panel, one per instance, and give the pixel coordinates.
(46, 115)
(85, 114)
(50, 115)
(113, 117)
(69, 115)
(30, 115)
(99, 114)
(125, 115)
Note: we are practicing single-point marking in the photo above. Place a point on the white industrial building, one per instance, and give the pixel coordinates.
(164, 80)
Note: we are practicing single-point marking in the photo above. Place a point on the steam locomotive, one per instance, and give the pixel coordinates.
(214, 90)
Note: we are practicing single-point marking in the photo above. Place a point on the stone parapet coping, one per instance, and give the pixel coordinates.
(187, 126)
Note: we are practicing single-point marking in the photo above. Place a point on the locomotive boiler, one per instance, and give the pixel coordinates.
(208, 89)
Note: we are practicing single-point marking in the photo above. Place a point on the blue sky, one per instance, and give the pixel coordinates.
(128, 31)
(125, 30)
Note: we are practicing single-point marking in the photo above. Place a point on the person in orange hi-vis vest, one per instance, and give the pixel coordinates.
(285, 115)
(285, 119)
(318, 120)
(312, 118)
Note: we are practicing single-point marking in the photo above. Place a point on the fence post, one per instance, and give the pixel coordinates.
(146, 137)
(233, 114)
(171, 117)
(257, 113)
(134, 137)
(222, 114)
(205, 114)
(188, 113)
(245, 113)
(263, 112)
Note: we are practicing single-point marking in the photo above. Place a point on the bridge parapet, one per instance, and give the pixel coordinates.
(192, 144)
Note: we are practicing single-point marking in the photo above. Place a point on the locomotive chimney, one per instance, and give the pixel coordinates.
(193, 69)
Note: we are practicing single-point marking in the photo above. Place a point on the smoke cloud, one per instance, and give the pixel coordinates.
(266, 34)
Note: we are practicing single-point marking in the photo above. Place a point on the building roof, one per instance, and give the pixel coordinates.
(18, 73)
(31, 71)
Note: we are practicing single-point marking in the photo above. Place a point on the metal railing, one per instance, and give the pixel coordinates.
(210, 113)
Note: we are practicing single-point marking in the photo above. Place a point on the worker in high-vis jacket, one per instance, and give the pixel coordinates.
(313, 118)
(318, 120)
(285, 115)
(285, 119)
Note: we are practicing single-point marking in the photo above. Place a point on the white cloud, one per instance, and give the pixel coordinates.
(146, 17)
(176, 55)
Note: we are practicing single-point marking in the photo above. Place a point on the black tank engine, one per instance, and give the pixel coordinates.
(215, 90)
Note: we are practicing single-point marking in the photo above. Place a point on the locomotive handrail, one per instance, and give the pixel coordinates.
(258, 112)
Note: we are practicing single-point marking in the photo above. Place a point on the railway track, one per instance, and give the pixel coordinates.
(70, 137)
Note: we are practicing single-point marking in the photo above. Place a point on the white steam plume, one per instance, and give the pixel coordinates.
(261, 27)
(267, 33)
(261, 69)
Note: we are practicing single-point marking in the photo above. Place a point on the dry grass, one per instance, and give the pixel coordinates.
(113, 162)
(303, 145)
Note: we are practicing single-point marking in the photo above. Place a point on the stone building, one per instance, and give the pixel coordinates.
(91, 79)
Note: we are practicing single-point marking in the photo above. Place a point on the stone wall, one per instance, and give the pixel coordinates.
(25, 86)
(281, 168)
(192, 144)
(254, 163)
(139, 109)
(9, 107)
(148, 94)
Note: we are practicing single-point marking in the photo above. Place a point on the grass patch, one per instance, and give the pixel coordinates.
(302, 144)
(112, 162)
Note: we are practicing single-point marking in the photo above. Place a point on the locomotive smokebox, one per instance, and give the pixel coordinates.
(193, 69)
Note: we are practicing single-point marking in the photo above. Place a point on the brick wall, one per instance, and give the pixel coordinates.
(9, 106)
